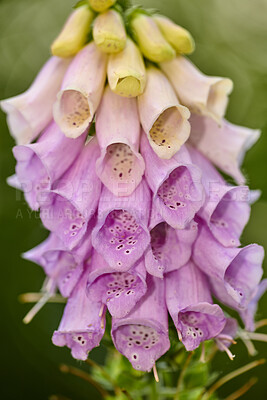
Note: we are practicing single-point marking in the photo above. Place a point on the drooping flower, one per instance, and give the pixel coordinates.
(142, 336)
(30, 112)
(67, 209)
(175, 183)
(41, 164)
(120, 165)
(81, 91)
(101, 5)
(163, 118)
(202, 94)
(119, 291)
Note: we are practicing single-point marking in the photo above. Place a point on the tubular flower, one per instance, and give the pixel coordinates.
(141, 223)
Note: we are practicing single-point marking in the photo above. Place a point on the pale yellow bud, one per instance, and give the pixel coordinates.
(74, 33)
(150, 40)
(109, 32)
(126, 71)
(101, 5)
(180, 39)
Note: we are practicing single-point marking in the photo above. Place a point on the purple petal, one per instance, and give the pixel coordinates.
(175, 183)
(40, 164)
(226, 336)
(142, 336)
(68, 208)
(120, 166)
(121, 235)
(226, 209)
(189, 303)
(81, 327)
(234, 272)
(120, 291)
(248, 314)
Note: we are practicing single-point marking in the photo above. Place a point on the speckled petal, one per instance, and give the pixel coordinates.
(175, 183)
(67, 209)
(142, 336)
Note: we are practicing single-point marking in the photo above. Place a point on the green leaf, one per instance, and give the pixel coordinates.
(81, 3)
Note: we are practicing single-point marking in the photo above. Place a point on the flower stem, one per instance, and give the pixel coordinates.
(181, 376)
(244, 389)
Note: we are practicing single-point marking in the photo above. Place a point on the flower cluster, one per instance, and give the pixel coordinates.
(141, 222)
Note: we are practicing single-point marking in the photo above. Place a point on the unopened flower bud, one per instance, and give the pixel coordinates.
(180, 39)
(109, 32)
(126, 71)
(101, 5)
(150, 40)
(74, 33)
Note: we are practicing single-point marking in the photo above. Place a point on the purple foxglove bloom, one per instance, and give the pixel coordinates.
(206, 95)
(63, 266)
(121, 235)
(227, 335)
(119, 291)
(248, 314)
(234, 272)
(226, 209)
(81, 328)
(30, 112)
(169, 249)
(224, 145)
(190, 305)
(175, 183)
(120, 165)
(81, 91)
(40, 164)
(142, 336)
(164, 120)
(67, 209)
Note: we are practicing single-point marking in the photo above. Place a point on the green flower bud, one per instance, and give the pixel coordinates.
(126, 71)
(180, 39)
(109, 32)
(150, 40)
(74, 33)
(101, 5)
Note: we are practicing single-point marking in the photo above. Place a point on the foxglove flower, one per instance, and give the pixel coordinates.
(67, 209)
(119, 291)
(164, 119)
(175, 183)
(41, 164)
(30, 112)
(81, 91)
(121, 235)
(120, 165)
(190, 305)
(142, 336)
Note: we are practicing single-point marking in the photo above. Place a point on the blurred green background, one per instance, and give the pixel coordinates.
(231, 40)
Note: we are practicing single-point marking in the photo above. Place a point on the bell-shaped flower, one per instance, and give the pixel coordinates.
(109, 32)
(126, 71)
(225, 145)
(81, 328)
(74, 33)
(67, 209)
(234, 272)
(81, 91)
(150, 39)
(202, 94)
(30, 112)
(190, 305)
(169, 248)
(163, 118)
(248, 314)
(119, 291)
(120, 165)
(180, 39)
(41, 164)
(61, 265)
(101, 5)
(226, 209)
(142, 336)
(121, 235)
(175, 183)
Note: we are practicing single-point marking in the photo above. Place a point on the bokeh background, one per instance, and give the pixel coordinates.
(231, 40)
